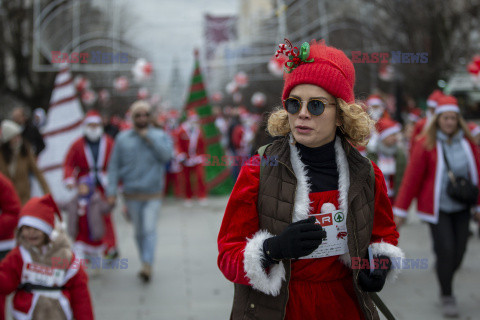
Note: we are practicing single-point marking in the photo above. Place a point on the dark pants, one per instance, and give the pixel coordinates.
(450, 237)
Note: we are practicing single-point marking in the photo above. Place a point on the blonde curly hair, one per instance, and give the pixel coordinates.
(356, 123)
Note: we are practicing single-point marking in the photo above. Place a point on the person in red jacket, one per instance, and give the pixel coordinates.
(90, 155)
(9, 210)
(191, 146)
(285, 240)
(447, 142)
(48, 281)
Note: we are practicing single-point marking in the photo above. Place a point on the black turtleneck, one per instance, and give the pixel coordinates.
(321, 166)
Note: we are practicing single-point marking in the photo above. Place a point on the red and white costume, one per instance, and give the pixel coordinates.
(21, 267)
(319, 288)
(422, 179)
(192, 147)
(9, 210)
(79, 162)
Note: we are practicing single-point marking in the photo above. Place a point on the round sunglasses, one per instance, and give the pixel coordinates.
(315, 106)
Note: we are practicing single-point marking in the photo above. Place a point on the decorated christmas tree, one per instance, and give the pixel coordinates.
(218, 178)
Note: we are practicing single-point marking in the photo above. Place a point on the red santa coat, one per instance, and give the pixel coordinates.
(417, 129)
(191, 145)
(240, 243)
(79, 160)
(423, 176)
(9, 210)
(74, 298)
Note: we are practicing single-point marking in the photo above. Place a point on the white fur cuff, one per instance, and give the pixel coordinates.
(391, 251)
(268, 283)
(400, 212)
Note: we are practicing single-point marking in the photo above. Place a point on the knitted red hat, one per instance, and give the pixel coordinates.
(374, 100)
(447, 103)
(93, 116)
(331, 70)
(432, 100)
(386, 127)
(39, 213)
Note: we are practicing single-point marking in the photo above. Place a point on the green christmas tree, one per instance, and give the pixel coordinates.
(218, 178)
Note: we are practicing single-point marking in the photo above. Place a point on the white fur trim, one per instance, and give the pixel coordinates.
(437, 187)
(302, 200)
(400, 212)
(270, 283)
(346, 259)
(391, 251)
(431, 103)
(93, 119)
(374, 102)
(7, 244)
(343, 175)
(35, 223)
(388, 132)
(447, 107)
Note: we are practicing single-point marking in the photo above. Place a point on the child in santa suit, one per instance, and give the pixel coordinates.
(191, 145)
(86, 224)
(389, 155)
(9, 210)
(48, 281)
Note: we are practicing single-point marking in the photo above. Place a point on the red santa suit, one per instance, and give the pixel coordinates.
(191, 145)
(29, 271)
(175, 168)
(320, 288)
(79, 162)
(9, 210)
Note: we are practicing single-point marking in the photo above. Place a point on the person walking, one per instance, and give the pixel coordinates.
(138, 161)
(17, 161)
(445, 148)
(89, 156)
(9, 210)
(292, 229)
(30, 131)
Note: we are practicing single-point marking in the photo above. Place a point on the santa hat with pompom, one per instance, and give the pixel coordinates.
(39, 213)
(93, 116)
(447, 103)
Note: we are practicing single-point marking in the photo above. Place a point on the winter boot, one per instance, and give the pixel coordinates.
(146, 273)
(449, 306)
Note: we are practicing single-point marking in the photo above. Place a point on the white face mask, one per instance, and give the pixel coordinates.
(93, 134)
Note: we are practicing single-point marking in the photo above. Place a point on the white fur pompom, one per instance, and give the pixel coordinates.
(328, 207)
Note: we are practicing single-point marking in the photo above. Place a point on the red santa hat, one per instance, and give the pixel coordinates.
(474, 128)
(447, 103)
(326, 67)
(432, 100)
(192, 115)
(39, 213)
(374, 100)
(92, 116)
(386, 127)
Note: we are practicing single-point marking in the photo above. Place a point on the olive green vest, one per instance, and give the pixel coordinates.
(275, 210)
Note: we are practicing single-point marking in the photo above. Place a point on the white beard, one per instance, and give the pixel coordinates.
(93, 135)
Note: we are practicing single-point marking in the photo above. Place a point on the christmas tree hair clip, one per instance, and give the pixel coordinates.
(295, 56)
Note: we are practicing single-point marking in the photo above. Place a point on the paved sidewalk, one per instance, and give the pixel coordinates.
(187, 284)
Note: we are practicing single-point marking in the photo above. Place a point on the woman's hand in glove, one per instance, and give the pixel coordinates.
(299, 239)
(374, 282)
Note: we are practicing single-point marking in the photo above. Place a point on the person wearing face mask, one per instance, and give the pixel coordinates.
(389, 156)
(139, 160)
(90, 155)
(445, 147)
(17, 161)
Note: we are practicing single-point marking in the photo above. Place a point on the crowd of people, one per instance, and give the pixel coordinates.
(277, 242)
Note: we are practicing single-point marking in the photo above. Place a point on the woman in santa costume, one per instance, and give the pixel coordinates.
(9, 210)
(295, 230)
(389, 155)
(90, 155)
(191, 146)
(48, 281)
(446, 142)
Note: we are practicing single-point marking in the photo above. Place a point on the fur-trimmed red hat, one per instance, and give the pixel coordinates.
(474, 128)
(432, 100)
(375, 100)
(386, 127)
(447, 103)
(330, 69)
(39, 213)
(92, 116)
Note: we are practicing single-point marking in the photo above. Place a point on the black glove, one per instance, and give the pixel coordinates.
(374, 282)
(299, 239)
